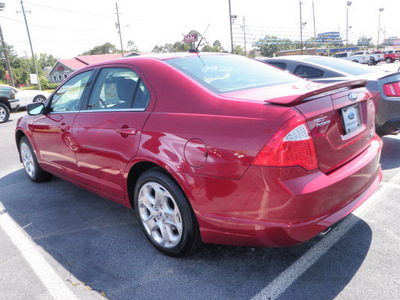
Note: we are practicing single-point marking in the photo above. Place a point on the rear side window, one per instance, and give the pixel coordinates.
(280, 65)
(118, 88)
(308, 72)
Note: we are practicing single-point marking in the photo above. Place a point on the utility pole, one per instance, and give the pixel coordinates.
(30, 43)
(231, 20)
(2, 5)
(315, 31)
(119, 29)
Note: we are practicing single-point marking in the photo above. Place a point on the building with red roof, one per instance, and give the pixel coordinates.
(65, 67)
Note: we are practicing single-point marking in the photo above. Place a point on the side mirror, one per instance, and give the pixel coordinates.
(36, 108)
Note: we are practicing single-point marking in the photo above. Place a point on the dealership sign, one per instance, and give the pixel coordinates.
(190, 38)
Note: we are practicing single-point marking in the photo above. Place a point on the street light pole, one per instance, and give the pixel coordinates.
(379, 27)
(244, 36)
(301, 31)
(347, 25)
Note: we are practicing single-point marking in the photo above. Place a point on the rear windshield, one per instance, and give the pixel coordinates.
(228, 73)
(345, 66)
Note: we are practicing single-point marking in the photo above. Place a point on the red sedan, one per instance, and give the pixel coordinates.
(209, 148)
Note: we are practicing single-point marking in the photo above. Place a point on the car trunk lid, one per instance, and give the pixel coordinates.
(340, 116)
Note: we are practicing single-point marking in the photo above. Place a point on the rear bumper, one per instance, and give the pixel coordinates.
(388, 115)
(391, 126)
(280, 207)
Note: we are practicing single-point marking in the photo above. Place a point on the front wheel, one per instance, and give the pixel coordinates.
(388, 60)
(39, 98)
(4, 113)
(31, 165)
(165, 215)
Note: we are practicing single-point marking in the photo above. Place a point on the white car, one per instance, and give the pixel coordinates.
(28, 96)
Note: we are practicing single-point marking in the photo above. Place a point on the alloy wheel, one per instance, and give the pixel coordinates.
(160, 215)
(27, 160)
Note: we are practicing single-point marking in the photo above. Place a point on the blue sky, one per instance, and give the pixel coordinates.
(68, 28)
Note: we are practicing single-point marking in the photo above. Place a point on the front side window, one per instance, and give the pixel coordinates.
(118, 88)
(68, 96)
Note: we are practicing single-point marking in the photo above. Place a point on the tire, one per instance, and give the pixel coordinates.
(388, 60)
(39, 98)
(4, 113)
(165, 215)
(371, 62)
(31, 165)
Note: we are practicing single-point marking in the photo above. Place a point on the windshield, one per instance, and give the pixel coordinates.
(344, 66)
(228, 73)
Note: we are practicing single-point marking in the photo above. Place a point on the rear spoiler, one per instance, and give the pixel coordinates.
(318, 91)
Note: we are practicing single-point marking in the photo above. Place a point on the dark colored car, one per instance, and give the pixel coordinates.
(209, 147)
(384, 86)
(8, 102)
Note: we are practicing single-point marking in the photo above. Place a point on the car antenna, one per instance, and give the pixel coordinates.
(197, 48)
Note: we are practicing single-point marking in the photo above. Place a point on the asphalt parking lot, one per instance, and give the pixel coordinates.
(58, 241)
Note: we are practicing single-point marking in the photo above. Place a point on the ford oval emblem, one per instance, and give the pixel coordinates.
(351, 116)
(353, 96)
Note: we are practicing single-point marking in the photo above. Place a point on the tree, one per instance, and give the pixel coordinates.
(216, 47)
(270, 46)
(132, 47)
(106, 48)
(364, 41)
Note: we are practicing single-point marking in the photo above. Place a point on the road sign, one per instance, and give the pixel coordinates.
(190, 38)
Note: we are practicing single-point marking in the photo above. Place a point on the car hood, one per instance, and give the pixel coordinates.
(291, 93)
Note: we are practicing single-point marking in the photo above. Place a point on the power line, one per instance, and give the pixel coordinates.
(51, 28)
(68, 10)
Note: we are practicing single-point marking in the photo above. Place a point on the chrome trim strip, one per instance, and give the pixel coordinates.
(98, 110)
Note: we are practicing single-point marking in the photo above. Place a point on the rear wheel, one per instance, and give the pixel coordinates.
(388, 60)
(165, 215)
(4, 113)
(31, 165)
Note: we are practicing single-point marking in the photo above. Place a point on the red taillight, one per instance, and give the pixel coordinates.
(392, 89)
(291, 146)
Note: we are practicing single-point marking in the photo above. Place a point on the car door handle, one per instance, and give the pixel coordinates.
(126, 131)
(64, 127)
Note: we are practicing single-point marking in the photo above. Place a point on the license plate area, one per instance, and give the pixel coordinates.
(351, 118)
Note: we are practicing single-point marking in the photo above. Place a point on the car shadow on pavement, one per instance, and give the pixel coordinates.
(100, 243)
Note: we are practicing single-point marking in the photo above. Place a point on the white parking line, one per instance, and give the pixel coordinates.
(282, 282)
(29, 250)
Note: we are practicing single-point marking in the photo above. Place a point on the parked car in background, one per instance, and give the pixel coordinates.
(380, 55)
(362, 59)
(384, 86)
(210, 148)
(29, 96)
(8, 102)
(391, 55)
(374, 57)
